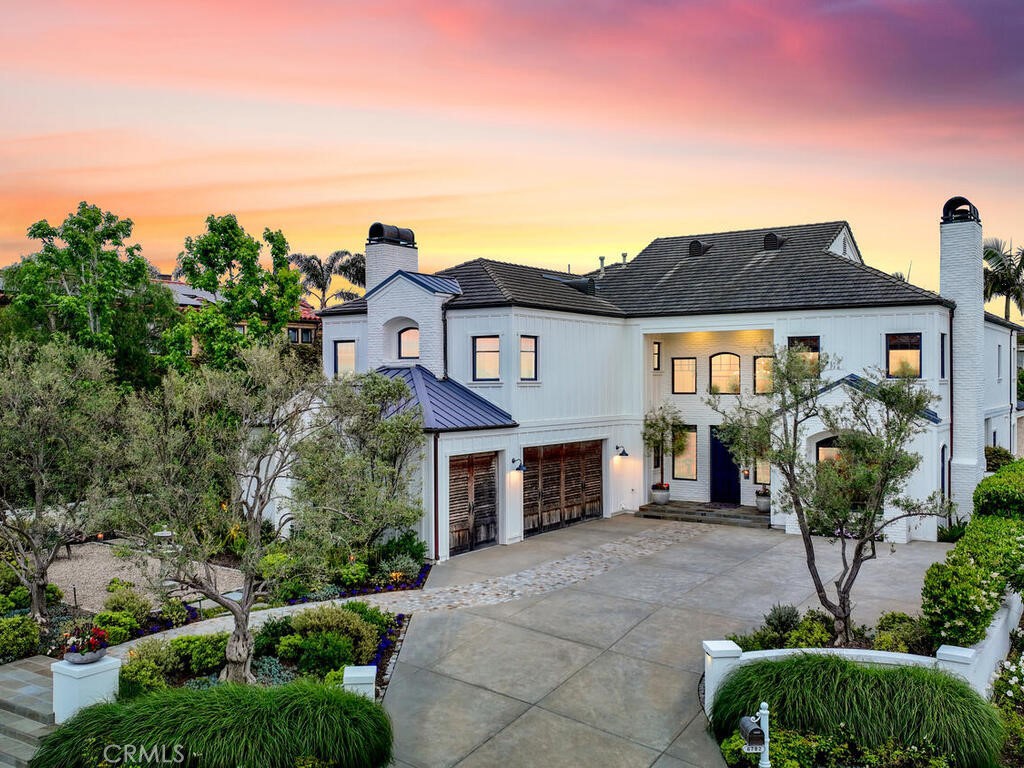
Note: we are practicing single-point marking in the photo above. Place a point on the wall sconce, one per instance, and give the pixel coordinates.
(518, 466)
(620, 451)
(746, 473)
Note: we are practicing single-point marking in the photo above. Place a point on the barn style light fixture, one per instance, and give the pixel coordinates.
(518, 466)
(620, 451)
(746, 473)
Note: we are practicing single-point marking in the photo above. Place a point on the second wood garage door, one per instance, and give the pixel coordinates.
(561, 485)
(472, 502)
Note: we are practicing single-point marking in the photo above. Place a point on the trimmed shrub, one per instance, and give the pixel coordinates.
(174, 611)
(382, 620)
(229, 726)
(1002, 494)
(120, 626)
(6, 606)
(19, 637)
(325, 651)
(266, 638)
(20, 597)
(115, 584)
(899, 633)
(811, 632)
(336, 619)
(131, 602)
(996, 457)
(870, 706)
(54, 594)
(200, 654)
(354, 574)
(289, 648)
(140, 676)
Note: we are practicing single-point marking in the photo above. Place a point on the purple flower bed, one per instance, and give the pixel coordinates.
(162, 623)
(386, 645)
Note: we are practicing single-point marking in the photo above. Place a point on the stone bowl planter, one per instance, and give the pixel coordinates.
(85, 658)
(659, 496)
(763, 503)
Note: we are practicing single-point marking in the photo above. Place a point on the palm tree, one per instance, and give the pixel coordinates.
(1004, 274)
(318, 274)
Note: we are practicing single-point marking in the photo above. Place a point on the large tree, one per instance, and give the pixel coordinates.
(318, 275)
(849, 499)
(1004, 274)
(59, 420)
(254, 303)
(88, 283)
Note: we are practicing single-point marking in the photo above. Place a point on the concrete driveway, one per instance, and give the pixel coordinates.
(603, 671)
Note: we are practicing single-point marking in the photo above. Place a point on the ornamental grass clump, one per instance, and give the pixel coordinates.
(231, 726)
(867, 706)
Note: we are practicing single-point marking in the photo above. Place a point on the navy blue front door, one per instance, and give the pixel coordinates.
(725, 475)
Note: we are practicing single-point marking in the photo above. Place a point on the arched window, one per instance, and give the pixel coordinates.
(409, 344)
(725, 373)
(826, 449)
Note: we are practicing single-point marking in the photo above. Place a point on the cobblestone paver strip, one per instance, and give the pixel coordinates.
(538, 580)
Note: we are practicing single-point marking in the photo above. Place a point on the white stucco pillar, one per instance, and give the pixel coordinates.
(76, 686)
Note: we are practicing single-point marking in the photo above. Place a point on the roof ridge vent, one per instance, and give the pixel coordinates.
(699, 248)
(772, 242)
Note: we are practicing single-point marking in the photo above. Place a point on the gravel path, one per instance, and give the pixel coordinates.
(93, 565)
(538, 580)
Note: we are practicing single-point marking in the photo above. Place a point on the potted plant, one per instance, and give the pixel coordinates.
(662, 434)
(763, 498)
(85, 644)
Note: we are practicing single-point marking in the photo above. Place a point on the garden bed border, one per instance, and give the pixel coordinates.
(977, 665)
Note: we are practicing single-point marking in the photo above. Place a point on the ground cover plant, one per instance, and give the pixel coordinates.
(867, 707)
(231, 726)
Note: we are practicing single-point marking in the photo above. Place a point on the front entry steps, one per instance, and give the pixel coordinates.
(26, 708)
(707, 512)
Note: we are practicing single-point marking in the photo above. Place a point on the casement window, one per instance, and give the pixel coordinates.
(684, 465)
(903, 355)
(409, 344)
(684, 375)
(293, 335)
(528, 349)
(762, 472)
(763, 374)
(810, 347)
(344, 357)
(486, 358)
(240, 329)
(942, 355)
(725, 373)
(826, 450)
(656, 356)
(306, 335)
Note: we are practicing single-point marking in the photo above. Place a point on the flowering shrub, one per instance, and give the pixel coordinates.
(1008, 688)
(85, 639)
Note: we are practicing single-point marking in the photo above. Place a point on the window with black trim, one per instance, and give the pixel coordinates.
(810, 347)
(942, 355)
(344, 357)
(656, 356)
(684, 465)
(486, 358)
(903, 355)
(528, 357)
(763, 472)
(684, 375)
(763, 374)
(293, 335)
(306, 335)
(725, 373)
(826, 449)
(409, 344)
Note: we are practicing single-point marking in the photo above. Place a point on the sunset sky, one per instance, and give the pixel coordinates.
(537, 131)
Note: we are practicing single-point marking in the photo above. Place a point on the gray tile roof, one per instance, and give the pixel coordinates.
(447, 405)
(734, 274)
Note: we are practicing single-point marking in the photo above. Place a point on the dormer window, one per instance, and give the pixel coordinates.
(409, 344)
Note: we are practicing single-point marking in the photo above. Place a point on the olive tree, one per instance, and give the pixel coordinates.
(59, 420)
(853, 497)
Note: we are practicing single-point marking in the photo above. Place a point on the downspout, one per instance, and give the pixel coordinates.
(444, 339)
(437, 540)
(949, 461)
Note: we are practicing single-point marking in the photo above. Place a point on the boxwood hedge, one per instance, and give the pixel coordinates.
(1002, 494)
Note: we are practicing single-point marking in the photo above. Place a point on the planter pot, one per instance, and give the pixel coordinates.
(85, 658)
(659, 496)
(763, 503)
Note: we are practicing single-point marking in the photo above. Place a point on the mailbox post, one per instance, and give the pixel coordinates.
(754, 731)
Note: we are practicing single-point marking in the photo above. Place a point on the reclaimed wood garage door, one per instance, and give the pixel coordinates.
(472, 502)
(561, 485)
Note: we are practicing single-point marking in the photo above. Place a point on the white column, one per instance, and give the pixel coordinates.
(720, 658)
(76, 686)
(362, 680)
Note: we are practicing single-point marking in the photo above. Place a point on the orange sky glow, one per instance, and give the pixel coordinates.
(546, 132)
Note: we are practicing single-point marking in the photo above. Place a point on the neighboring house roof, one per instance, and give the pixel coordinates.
(186, 295)
(447, 405)
(732, 273)
(865, 385)
(997, 320)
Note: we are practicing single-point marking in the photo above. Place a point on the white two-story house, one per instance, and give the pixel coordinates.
(534, 383)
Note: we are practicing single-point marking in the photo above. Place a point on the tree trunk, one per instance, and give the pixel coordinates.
(842, 619)
(37, 593)
(239, 653)
(1006, 313)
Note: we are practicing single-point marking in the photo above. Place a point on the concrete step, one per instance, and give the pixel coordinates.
(23, 729)
(15, 753)
(714, 517)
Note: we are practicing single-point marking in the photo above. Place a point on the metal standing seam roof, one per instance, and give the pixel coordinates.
(447, 405)
(869, 387)
(432, 283)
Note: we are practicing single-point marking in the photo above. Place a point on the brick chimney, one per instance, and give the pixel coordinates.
(389, 249)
